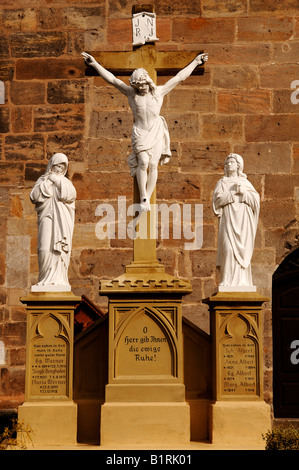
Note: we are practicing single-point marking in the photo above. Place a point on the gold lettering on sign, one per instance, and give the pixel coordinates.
(49, 359)
(144, 349)
(238, 359)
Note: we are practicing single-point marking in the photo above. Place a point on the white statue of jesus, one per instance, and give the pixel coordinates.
(150, 136)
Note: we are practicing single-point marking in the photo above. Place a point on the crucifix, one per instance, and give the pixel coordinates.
(145, 301)
(150, 137)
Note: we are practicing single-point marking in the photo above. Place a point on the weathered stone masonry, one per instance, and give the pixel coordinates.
(242, 104)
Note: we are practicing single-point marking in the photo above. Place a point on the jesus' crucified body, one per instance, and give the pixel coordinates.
(150, 136)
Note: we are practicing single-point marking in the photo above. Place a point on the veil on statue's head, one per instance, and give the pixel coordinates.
(55, 160)
(240, 163)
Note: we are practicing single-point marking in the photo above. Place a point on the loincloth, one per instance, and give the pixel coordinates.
(146, 141)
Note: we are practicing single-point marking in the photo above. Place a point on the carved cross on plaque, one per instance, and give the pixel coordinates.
(154, 62)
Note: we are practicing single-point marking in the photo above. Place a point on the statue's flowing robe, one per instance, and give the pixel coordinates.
(56, 213)
(147, 141)
(238, 219)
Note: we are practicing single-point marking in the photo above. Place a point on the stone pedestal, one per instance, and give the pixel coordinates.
(239, 414)
(145, 397)
(49, 408)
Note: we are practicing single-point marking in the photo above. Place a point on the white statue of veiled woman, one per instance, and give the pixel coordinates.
(237, 204)
(54, 198)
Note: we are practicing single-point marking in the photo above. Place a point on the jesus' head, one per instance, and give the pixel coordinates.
(142, 82)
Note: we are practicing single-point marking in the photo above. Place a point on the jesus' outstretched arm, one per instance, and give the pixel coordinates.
(106, 75)
(183, 74)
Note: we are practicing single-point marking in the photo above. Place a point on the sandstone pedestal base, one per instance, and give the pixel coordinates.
(49, 408)
(53, 424)
(149, 424)
(145, 396)
(239, 423)
(239, 416)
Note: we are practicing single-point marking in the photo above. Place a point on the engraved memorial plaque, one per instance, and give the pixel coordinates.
(49, 360)
(238, 360)
(144, 348)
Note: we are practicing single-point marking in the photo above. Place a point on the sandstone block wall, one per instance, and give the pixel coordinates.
(242, 103)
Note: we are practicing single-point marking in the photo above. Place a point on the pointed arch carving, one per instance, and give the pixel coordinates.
(142, 345)
(288, 268)
(60, 320)
(239, 355)
(249, 321)
(49, 355)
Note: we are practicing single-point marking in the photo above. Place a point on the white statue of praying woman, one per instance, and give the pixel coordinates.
(150, 136)
(54, 197)
(237, 204)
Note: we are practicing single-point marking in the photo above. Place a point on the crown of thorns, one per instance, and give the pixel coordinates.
(139, 75)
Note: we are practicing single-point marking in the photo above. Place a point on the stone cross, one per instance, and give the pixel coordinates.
(147, 57)
(154, 62)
